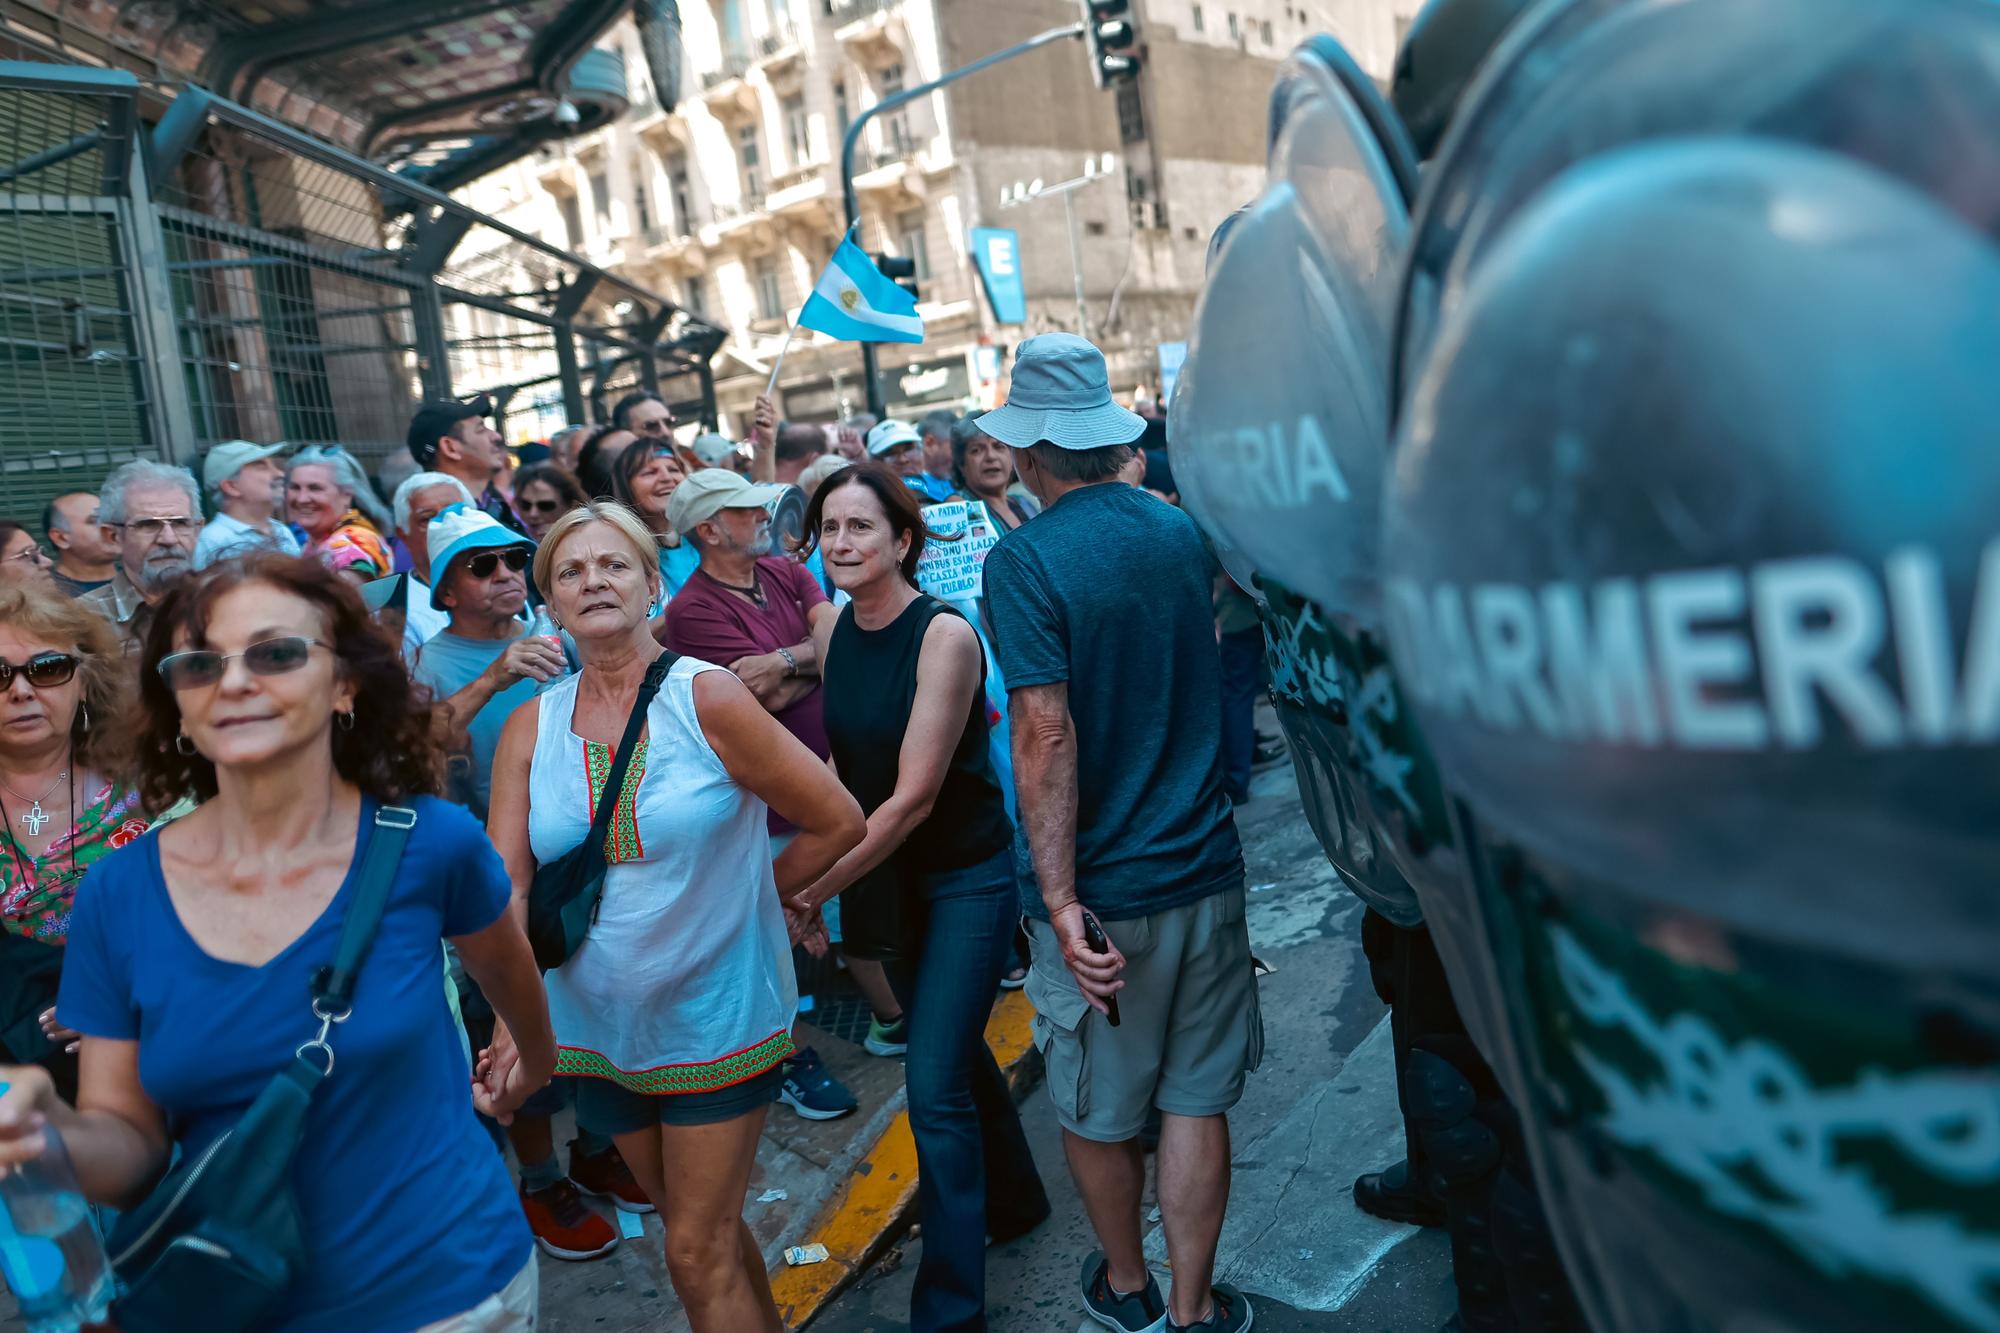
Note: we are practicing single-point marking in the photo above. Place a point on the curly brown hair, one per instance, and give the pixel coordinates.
(392, 752)
(107, 673)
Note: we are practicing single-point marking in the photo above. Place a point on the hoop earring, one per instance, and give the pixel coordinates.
(345, 721)
(184, 744)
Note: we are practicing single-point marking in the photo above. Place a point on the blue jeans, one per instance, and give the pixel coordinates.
(962, 1114)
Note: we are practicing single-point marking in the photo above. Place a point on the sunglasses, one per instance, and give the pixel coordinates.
(43, 670)
(202, 667)
(481, 566)
(539, 506)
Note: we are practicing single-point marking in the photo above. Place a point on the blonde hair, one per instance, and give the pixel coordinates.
(106, 672)
(621, 520)
(819, 470)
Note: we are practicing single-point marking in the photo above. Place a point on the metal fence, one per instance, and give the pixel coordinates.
(177, 270)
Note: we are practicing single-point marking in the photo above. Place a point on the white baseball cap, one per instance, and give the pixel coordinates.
(891, 434)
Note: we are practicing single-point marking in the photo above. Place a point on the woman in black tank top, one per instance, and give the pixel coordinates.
(930, 891)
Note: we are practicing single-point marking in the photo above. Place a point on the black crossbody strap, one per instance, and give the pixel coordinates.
(333, 986)
(614, 782)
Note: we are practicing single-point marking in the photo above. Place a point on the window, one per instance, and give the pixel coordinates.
(840, 111)
(572, 217)
(753, 163)
(642, 196)
(770, 305)
(798, 132)
(1235, 29)
(1197, 19)
(1265, 32)
(682, 193)
(694, 296)
(896, 137)
(910, 242)
(1131, 114)
(600, 200)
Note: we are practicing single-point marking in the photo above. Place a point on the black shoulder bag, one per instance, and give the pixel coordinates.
(563, 900)
(218, 1243)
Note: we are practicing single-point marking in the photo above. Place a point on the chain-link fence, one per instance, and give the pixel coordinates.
(177, 270)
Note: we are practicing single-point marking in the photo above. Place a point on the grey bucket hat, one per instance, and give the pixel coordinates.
(1060, 393)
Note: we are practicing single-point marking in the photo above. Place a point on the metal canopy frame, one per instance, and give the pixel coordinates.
(277, 286)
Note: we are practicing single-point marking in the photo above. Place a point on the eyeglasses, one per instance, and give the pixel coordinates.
(44, 671)
(539, 506)
(31, 555)
(481, 566)
(202, 667)
(151, 528)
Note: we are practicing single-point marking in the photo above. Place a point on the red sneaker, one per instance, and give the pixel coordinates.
(563, 1227)
(606, 1176)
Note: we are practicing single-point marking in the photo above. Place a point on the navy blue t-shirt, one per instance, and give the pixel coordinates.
(1108, 591)
(409, 1215)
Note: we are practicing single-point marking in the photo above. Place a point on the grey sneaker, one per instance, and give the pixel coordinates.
(1141, 1312)
(1230, 1315)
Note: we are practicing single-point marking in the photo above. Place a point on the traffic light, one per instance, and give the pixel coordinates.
(900, 270)
(1108, 32)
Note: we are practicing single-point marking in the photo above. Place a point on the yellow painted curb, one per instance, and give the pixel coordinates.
(854, 1223)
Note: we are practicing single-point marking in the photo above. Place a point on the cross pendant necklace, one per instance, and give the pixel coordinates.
(36, 816)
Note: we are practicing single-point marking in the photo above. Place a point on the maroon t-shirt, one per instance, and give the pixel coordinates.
(708, 622)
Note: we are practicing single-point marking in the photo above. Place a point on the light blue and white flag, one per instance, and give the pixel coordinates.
(853, 302)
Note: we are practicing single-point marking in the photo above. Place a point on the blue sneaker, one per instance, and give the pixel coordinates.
(811, 1091)
(1134, 1312)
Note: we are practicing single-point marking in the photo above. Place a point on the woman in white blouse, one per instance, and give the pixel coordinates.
(676, 1012)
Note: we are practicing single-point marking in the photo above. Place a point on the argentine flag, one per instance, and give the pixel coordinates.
(854, 303)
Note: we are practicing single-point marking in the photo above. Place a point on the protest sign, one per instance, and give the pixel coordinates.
(952, 570)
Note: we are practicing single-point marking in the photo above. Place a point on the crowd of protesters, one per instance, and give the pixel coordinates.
(829, 763)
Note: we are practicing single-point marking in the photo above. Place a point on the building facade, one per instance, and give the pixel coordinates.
(731, 204)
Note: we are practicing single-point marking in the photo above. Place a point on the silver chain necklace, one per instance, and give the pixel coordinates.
(36, 816)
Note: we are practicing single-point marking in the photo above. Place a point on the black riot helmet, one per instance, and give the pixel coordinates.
(1280, 425)
(1441, 54)
(1692, 576)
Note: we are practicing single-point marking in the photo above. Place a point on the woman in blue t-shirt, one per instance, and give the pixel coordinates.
(268, 697)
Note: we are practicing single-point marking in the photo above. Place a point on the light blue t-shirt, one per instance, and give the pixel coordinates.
(223, 536)
(447, 663)
(677, 565)
(409, 1215)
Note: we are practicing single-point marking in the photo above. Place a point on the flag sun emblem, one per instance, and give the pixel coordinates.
(850, 297)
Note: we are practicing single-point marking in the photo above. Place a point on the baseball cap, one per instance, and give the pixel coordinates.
(1060, 393)
(459, 528)
(225, 460)
(891, 434)
(713, 450)
(434, 419)
(712, 490)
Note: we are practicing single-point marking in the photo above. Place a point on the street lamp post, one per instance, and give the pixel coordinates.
(1094, 169)
(904, 98)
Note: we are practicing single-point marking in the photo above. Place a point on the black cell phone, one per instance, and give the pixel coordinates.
(1093, 935)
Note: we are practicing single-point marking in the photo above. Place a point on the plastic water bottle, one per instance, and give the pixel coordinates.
(50, 1255)
(544, 624)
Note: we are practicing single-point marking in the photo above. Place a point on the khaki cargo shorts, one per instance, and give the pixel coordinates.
(1189, 1030)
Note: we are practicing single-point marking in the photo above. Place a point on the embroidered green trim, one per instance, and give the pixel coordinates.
(668, 1079)
(621, 840)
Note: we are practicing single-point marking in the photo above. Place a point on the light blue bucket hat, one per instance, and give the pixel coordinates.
(1060, 393)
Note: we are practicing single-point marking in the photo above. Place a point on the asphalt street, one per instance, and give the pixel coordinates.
(1320, 1111)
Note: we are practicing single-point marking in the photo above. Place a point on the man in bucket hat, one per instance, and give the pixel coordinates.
(1125, 821)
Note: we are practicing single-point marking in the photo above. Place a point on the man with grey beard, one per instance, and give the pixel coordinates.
(152, 511)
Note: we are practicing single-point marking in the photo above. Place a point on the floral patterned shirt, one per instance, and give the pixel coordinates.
(355, 545)
(38, 907)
